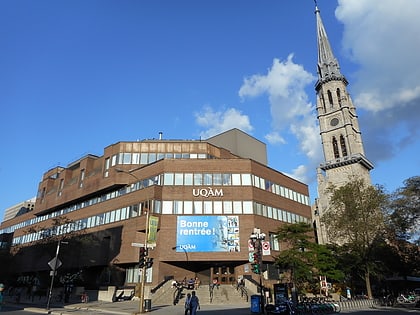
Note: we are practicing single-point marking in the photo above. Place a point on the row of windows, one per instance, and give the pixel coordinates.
(148, 158)
(173, 179)
(164, 207)
(228, 179)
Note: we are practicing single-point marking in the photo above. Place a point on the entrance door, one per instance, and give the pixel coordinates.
(223, 274)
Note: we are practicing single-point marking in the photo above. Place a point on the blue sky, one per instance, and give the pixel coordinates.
(77, 76)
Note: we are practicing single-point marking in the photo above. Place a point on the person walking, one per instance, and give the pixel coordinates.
(188, 304)
(1, 294)
(195, 303)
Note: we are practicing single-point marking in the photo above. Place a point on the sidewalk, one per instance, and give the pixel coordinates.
(116, 308)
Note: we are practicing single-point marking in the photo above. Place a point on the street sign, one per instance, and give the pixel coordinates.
(266, 248)
(142, 245)
(53, 264)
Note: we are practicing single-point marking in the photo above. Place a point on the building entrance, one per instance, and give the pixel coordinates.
(223, 274)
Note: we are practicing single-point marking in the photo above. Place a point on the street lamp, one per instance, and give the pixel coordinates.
(54, 267)
(179, 246)
(146, 252)
(256, 239)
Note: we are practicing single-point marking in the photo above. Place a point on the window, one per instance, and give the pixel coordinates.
(274, 242)
(166, 207)
(126, 158)
(168, 179)
(188, 207)
(60, 187)
(236, 179)
(136, 158)
(208, 207)
(179, 179)
(217, 207)
(198, 207)
(152, 157)
(177, 207)
(246, 179)
(335, 148)
(330, 99)
(226, 179)
(237, 207)
(114, 160)
(82, 177)
(188, 179)
(247, 207)
(343, 146)
(208, 179)
(217, 179)
(198, 179)
(143, 158)
(227, 207)
(106, 173)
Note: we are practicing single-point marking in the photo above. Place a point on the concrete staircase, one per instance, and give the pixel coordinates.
(225, 294)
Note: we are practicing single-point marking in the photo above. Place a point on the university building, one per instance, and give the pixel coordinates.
(202, 199)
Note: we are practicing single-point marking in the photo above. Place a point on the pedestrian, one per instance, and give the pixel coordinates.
(197, 283)
(188, 304)
(1, 294)
(195, 303)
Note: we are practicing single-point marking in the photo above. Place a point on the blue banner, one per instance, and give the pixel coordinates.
(207, 234)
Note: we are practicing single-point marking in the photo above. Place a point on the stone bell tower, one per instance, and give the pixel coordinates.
(344, 156)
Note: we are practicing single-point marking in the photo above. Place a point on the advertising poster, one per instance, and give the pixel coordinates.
(207, 234)
(153, 224)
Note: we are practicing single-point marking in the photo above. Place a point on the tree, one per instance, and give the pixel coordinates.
(303, 258)
(353, 221)
(402, 221)
(404, 211)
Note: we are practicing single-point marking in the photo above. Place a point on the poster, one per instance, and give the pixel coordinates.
(207, 234)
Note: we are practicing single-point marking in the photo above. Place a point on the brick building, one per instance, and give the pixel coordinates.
(204, 198)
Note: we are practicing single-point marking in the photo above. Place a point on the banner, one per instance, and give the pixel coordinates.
(153, 225)
(207, 234)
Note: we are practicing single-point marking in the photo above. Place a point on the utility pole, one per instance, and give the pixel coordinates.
(256, 239)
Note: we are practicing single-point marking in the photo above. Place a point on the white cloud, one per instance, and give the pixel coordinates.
(285, 84)
(382, 37)
(220, 121)
(274, 138)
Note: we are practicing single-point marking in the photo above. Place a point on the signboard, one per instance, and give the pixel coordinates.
(207, 234)
(153, 225)
(55, 263)
(266, 250)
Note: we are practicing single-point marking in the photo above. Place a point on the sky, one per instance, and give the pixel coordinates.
(77, 76)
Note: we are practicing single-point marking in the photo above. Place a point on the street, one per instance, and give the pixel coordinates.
(210, 310)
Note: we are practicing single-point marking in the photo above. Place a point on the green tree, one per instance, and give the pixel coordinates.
(303, 258)
(404, 211)
(402, 221)
(354, 220)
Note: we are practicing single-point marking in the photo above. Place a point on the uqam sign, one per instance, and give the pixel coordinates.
(207, 192)
(207, 234)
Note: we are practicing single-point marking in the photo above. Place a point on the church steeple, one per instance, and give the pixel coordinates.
(342, 143)
(328, 67)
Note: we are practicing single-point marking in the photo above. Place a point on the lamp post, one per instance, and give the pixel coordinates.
(256, 239)
(54, 270)
(179, 246)
(144, 267)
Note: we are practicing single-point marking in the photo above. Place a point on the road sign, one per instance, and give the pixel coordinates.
(137, 244)
(55, 263)
(266, 248)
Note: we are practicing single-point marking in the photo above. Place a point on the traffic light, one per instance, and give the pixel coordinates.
(256, 269)
(142, 257)
(149, 262)
(256, 258)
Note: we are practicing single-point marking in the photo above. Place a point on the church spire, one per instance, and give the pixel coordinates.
(328, 67)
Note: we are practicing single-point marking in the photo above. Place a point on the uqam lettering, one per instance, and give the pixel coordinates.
(207, 192)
